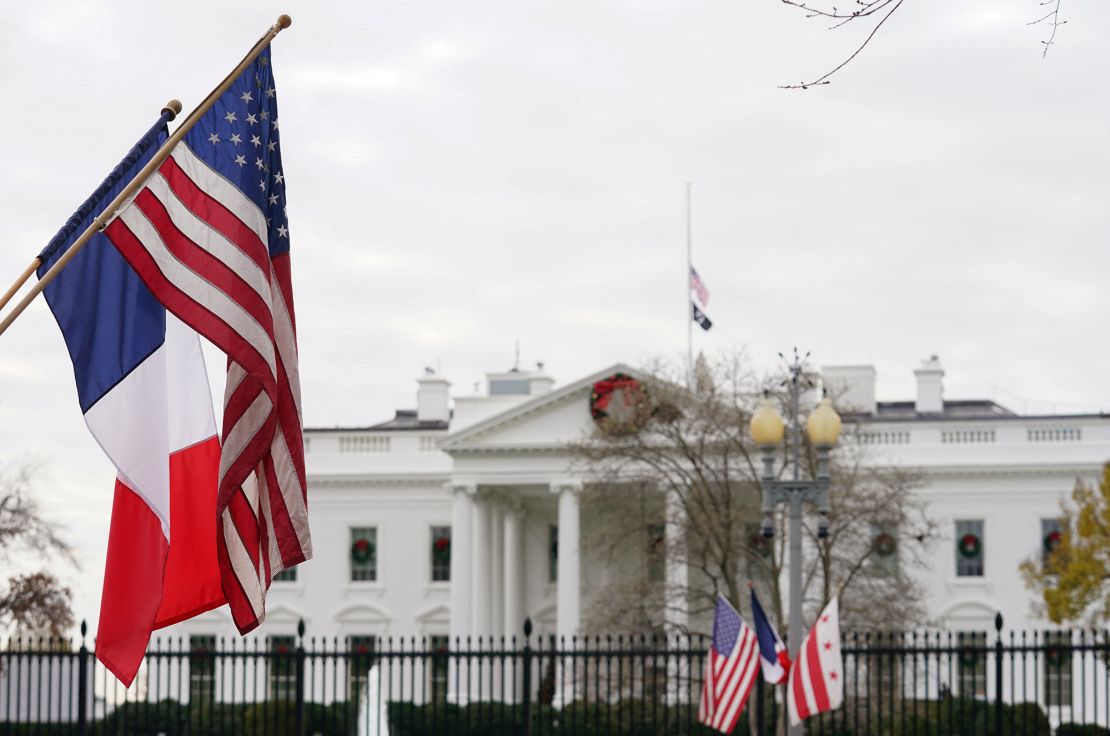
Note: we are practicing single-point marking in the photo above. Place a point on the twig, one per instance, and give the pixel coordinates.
(824, 79)
(1056, 23)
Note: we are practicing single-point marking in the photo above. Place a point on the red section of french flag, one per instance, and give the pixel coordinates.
(149, 583)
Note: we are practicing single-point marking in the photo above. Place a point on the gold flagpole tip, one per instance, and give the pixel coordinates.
(173, 107)
(284, 21)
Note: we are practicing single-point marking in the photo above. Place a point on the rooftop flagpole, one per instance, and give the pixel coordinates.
(689, 303)
(101, 221)
(168, 112)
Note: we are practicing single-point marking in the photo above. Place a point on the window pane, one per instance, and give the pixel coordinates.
(288, 575)
(438, 684)
(972, 663)
(1057, 668)
(283, 668)
(202, 669)
(364, 553)
(656, 552)
(553, 554)
(1051, 529)
(969, 548)
(441, 553)
(360, 658)
(884, 550)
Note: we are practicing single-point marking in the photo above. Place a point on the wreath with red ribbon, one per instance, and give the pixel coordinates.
(970, 546)
(441, 548)
(601, 397)
(362, 551)
(885, 545)
(1052, 541)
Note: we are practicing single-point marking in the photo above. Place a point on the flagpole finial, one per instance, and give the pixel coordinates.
(284, 21)
(173, 107)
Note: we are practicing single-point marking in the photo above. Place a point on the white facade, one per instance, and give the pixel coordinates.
(495, 471)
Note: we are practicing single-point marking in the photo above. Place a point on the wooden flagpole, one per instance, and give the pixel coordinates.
(173, 107)
(101, 221)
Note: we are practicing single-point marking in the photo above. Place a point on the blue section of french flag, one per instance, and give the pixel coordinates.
(143, 389)
(772, 652)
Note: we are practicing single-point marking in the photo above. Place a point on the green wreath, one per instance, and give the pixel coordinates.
(1054, 657)
(885, 545)
(362, 551)
(761, 544)
(1052, 541)
(970, 546)
(968, 658)
(441, 548)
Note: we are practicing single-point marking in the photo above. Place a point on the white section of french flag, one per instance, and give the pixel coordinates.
(158, 428)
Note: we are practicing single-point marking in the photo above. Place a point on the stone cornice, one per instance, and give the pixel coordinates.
(356, 479)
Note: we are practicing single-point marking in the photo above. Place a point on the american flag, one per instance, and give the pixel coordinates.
(729, 669)
(817, 678)
(208, 234)
(699, 288)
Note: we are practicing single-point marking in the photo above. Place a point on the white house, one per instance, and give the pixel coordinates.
(461, 518)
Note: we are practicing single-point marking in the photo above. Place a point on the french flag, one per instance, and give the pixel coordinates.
(772, 652)
(144, 393)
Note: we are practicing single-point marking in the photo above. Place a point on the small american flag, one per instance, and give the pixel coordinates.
(208, 235)
(730, 669)
(698, 287)
(817, 678)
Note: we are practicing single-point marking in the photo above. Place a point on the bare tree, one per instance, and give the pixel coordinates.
(873, 15)
(35, 601)
(692, 449)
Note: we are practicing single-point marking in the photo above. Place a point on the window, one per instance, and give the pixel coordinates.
(883, 559)
(972, 663)
(364, 553)
(969, 548)
(553, 553)
(202, 669)
(656, 549)
(438, 672)
(283, 668)
(1051, 532)
(1057, 668)
(288, 575)
(360, 651)
(441, 553)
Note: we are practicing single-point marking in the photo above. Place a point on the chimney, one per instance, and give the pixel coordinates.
(930, 387)
(432, 398)
(851, 387)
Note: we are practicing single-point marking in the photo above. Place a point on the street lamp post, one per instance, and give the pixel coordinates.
(823, 428)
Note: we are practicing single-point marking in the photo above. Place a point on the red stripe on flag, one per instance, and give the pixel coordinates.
(798, 674)
(816, 673)
(216, 215)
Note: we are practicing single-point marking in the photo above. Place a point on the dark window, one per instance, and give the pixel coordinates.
(288, 575)
(283, 668)
(972, 663)
(1051, 531)
(202, 669)
(360, 649)
(1057, 668)
(884, 550)
(364, 553)
(553, 553)
(969, 549)
(441, 553)
(656, 552)
(438, 674)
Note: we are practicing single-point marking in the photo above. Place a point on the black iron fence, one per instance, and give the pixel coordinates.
(895, 684)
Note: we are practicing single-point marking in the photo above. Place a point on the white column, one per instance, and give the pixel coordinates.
(497, 564)
(569, 587)
(676, 614)
(461, 582)
(514, 572)
(480, 603)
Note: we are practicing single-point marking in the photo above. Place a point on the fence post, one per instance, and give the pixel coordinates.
(998, 674)
(300, 678)
(526, 685)
(83, 683)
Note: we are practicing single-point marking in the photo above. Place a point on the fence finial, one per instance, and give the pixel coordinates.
(528, 626)
(998, 621)
(300, 628)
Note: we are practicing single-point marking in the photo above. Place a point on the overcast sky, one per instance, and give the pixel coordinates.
(465, 175)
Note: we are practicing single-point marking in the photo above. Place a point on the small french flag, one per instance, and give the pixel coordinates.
(772, 652)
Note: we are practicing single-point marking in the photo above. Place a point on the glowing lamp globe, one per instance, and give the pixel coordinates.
(823, 425)
(766, 425)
